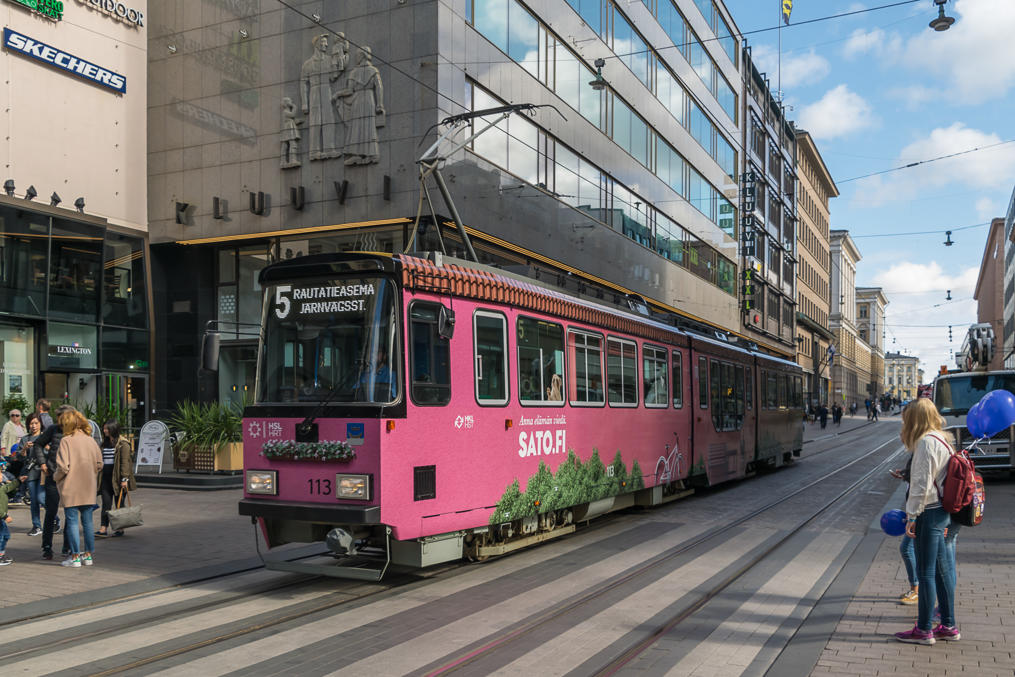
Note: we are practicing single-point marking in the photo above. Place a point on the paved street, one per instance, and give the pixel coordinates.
(855, 578)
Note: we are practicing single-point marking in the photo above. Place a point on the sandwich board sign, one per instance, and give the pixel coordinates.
(152, 444)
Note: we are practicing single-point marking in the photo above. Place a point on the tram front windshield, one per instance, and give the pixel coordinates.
(331, 341)
(955, 395)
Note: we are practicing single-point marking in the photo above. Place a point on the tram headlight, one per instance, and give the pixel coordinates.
(262, 482)
(356, 487)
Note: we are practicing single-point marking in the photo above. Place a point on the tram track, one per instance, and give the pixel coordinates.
(537, 623)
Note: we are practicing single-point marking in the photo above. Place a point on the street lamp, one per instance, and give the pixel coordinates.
(599, 83)
(942, 22)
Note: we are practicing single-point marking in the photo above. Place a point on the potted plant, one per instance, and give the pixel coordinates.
(210, 436)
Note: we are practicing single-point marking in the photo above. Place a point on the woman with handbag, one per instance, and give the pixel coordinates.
(117, 472)
(78, 462)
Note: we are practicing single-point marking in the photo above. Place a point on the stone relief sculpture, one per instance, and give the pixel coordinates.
(361, 106)
(339, 55)
(316, 76)
(290, 135)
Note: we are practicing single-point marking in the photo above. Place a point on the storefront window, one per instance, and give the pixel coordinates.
(76, 259)
(23, 262)
(124, 349)
(124, 281)
(251, 260)
(17, 358)
(71, 346)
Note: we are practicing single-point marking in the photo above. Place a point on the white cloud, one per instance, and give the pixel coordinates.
(839, 112)
(985, 169)
(986, 208)
(973, 56)
(875, 42)
(913, 97)
(918, 314)
(797, 69)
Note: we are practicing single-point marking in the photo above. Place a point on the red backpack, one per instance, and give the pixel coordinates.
(963, 494)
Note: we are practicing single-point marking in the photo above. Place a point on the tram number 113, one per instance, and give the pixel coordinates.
(320, 487)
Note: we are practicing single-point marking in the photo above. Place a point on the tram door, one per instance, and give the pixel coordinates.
(129, 394)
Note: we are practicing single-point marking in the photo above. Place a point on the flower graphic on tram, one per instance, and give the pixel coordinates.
(573, 484)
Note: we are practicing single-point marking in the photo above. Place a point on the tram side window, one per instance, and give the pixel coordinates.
(622, 372)
(749, 386)
(654, 376)
(739, 396)
(678, 380)
(715, 381)
(540, 361)
(703, 383)
(586, 369)
(782, 391)
(431, 361)
(771, 397)
(490, 331)
(798, 392)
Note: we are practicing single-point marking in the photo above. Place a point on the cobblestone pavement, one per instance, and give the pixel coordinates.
(862, 642)
(186, 534)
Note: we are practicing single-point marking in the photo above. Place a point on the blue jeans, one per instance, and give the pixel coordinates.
(74, 518)
(953, 533)
(5, 534)
(37, 493)
(908, 551)
(934, 568)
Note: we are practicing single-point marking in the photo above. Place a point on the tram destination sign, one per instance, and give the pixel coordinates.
(321, 300)
(47, 54)
(51, 9)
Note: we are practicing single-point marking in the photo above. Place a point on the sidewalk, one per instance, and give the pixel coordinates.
(863, 643)
(186, 536)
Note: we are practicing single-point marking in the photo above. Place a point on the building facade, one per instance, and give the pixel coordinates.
(813, 336)
(74, 281)
(278, 131)
(871, 303)
(902, 375)
(769, 219)
(988, 293)
(848, 382)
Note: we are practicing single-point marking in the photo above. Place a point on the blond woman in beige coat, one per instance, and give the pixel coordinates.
(78, 463)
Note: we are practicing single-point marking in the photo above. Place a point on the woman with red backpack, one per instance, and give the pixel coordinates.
(927, 522)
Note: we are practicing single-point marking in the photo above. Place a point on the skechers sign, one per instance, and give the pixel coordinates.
(40, 51)
(52, 9)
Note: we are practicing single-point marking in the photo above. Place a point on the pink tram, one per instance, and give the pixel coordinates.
(412, 413)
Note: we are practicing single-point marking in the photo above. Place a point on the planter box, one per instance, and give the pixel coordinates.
(229, 457)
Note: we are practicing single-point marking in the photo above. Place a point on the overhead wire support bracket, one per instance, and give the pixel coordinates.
(431, 160)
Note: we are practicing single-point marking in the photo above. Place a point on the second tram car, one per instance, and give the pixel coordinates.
(422, 412)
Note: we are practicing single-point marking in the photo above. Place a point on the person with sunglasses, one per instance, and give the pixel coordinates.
(12, 432)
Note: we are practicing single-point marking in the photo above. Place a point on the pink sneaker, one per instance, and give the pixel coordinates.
(915, 636)
(946, 633)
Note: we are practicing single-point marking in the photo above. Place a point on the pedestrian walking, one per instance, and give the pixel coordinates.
(78, 462)
(823, 416)
(875, 410)
(45, 450)
(927, 521)
(12, 432)
(117, 472)
(33, 473)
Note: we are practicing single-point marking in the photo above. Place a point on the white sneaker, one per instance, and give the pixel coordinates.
(86, 560)
(71, 561)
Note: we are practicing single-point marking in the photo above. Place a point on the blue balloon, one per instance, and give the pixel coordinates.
(893, 522)
(973, 423)
(997, 411)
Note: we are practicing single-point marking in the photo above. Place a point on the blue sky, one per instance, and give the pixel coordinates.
(881, 89)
